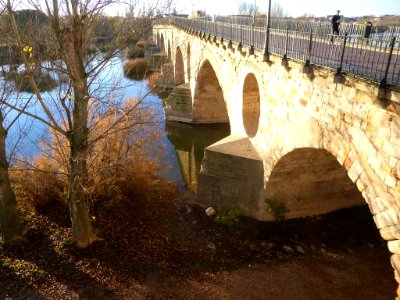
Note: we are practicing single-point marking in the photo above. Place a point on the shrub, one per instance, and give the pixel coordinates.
(120, 169)
(44, 81)
(153, 80)
(142, 43)
(229, 217)
(38, 184)
(135, 52)
(276, 209)
(136, 69)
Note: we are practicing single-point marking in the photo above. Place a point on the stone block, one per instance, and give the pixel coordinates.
(355, 171)
(361, 185)
(394, 246)
(374, 161)
(386, 218)
(390, 181)
(390, 233)
(390, 149)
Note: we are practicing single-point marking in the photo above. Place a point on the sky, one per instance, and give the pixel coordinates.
(295, 8)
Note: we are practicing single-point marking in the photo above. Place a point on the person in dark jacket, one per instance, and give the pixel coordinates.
(336, 23)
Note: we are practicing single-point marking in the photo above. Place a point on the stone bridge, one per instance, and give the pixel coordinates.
(301, 143)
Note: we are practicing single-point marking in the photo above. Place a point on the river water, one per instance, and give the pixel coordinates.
(183, 144)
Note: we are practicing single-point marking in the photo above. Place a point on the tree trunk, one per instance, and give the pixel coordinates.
(78, 138)
(81, 225)
(10, 225)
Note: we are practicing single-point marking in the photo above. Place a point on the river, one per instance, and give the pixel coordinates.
(183, 144)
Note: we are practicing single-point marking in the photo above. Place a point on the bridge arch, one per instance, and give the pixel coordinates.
(310, 181)
(251, 104)
(179, 68)
(209, 105)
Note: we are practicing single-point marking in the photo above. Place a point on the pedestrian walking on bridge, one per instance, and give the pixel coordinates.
(336, 23)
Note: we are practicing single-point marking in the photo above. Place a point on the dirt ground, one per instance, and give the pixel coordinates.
(164, 249)
(327, 275)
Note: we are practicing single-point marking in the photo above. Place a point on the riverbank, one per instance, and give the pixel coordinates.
(158, 246)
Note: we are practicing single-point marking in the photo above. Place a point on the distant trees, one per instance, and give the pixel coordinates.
(247, 9)
(277, 11)
(306, 17)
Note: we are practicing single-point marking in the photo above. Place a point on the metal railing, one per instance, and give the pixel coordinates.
(315, 26)
(374, 58)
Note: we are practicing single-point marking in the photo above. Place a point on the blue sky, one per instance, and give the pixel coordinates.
(295, 8)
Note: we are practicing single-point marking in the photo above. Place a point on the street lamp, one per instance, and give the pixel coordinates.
(254, 12)
(251, 52)
(266, 48)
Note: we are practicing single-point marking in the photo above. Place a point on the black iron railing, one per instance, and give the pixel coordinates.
(372, 58)
(361, 30)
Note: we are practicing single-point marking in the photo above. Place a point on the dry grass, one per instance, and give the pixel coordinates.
(153, 80)
(136, 68)
(119, 167)
(135, 52)
(38, 184)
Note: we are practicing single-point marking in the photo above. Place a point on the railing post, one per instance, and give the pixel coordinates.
(251, 51)
(215, 32)
(198, 27)
(339, 70)
(222, 33)
(208, 32)
(285, 62)
(230, 46)
(267, 32)
(307, 65)
(240, 38)
(266, 45)
(384, 80)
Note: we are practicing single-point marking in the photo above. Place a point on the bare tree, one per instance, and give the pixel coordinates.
(247, 9)
(277, 11)
(69, 35)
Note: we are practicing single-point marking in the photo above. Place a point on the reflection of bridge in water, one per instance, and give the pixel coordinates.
(189, 142)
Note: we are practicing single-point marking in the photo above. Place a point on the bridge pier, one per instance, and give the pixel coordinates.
(232, 175)
(178, 105)
(166, 81)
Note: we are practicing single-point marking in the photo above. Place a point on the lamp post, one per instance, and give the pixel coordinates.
(251, 52)
(254, 12)
(266, 48)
